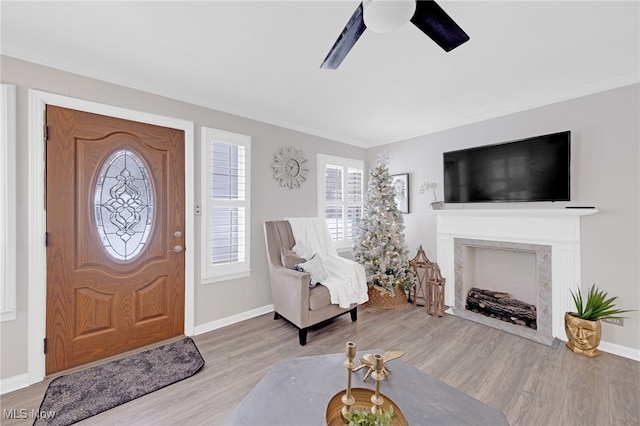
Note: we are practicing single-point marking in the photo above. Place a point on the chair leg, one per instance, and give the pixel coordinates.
(354, 314)
(276, 316)
(302, 336)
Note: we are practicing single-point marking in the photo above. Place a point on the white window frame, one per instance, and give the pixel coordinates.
(8, 202)
(216, 273)
(323, 160)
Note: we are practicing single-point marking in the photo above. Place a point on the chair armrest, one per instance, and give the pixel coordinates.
(290, 293)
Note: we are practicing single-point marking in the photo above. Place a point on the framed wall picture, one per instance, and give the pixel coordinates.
(401, 188)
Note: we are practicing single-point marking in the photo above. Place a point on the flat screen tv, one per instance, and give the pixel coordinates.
(532, 169)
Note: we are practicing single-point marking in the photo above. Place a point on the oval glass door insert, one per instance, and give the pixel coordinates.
(123, 205)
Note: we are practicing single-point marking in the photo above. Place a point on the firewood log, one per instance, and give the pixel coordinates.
(507, 309)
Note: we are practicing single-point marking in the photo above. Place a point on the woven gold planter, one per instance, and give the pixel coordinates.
(584, 335)
(381, 298)
(362, 398)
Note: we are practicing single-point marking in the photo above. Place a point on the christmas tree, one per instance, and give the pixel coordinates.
(380, 246)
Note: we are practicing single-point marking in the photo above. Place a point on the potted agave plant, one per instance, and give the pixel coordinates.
(584, 327)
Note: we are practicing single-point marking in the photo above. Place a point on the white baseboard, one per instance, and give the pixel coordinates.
(11, 384)
(214, 325)
(623, 351)
(612, 348)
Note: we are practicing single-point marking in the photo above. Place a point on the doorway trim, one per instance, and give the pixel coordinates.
(37, 263)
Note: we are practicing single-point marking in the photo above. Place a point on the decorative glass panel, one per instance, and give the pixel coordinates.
(123, 205)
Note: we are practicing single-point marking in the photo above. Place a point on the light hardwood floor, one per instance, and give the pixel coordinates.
(530, 383)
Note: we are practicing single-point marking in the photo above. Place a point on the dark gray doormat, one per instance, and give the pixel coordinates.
(85, 393)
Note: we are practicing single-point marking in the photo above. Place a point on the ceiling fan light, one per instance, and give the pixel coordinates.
(382, 16)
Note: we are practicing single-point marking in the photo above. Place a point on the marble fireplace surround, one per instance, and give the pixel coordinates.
(552, 234)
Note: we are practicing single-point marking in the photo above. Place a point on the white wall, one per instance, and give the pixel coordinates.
(214, 302)
(605, 164)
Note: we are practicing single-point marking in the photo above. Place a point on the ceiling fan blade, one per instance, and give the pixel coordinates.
(434, 22)
(347, 38)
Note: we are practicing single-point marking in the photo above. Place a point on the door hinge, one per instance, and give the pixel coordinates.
(46, 133)
(45, 345)
(46, 239)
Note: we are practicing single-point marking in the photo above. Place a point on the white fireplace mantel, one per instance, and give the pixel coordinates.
(558, 228)
(533, 225)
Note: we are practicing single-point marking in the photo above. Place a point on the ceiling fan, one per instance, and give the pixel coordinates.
(384, 15)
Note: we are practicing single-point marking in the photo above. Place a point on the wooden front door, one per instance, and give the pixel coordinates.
(115, 233)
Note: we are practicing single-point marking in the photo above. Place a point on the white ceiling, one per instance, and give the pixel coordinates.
(261, 59)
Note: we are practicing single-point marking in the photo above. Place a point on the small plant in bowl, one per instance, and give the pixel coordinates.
(583, 327)
(367, 418)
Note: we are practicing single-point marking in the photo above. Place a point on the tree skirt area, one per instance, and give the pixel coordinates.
(381, 298)
(88, 392)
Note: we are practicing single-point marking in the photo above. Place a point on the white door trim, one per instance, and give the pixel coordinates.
(37, 260)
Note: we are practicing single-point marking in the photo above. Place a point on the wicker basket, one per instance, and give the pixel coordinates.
(380, 298)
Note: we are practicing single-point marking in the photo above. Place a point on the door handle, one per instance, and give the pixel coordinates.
(176, 249)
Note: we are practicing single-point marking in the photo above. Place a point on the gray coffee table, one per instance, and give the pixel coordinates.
(296, 392)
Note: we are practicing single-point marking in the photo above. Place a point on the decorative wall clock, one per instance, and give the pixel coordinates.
(290, 167)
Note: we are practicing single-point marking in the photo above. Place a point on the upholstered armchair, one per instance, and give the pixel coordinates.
(293, 297)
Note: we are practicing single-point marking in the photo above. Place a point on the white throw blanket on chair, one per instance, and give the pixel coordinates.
(347, 281)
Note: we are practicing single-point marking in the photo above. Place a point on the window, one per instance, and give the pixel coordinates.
(340, 189)
(7, 202)
(226, 205)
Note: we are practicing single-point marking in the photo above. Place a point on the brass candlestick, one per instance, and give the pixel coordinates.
(347, 399)
(378, 375)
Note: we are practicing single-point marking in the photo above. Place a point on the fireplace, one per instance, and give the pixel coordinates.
(552, 237)
(532, 286)
(509, 268)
